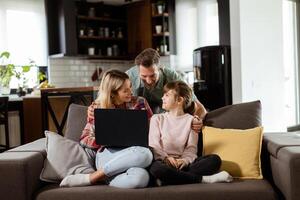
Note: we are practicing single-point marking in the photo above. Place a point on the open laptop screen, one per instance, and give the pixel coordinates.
(121, 127)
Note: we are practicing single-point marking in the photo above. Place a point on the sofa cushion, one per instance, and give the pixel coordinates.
(239, 150)
(242, 189)
(64, 157)
(236, 116)
(77, 116)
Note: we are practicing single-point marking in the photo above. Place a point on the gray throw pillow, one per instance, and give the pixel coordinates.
(64, 157)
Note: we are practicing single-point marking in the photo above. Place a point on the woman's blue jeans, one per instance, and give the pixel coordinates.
(125, 166)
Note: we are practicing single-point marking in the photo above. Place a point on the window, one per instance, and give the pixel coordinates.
(23, 34)
(197, 26)
(291, 67)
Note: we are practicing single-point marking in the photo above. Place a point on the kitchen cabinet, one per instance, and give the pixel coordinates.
(61, 23)
(163, 26)
(101, 30)
(97, 30)
(139, 27)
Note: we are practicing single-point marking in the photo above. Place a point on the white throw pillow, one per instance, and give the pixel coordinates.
(64, 157)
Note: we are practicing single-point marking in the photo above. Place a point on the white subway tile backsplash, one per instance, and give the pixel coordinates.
(86, 80)
(79, 73)
(74, 67)
(74, 72)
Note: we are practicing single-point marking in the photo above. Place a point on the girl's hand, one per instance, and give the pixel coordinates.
(181, 164)
(197, 124)
(171, 162)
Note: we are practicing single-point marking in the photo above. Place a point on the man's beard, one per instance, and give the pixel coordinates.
(149, 87)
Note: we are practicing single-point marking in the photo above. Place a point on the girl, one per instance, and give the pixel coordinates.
(123, 168)
(174, 143)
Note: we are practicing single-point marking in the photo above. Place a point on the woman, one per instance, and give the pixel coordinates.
(123, 168)
(174, 143)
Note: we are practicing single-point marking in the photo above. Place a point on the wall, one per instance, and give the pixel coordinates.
(257, 57)
(73, 72)
(77, 72)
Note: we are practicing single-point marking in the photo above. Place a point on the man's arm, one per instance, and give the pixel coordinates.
(200, 111)
(199, 115)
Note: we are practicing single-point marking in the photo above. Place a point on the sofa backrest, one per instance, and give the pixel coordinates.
(76, 121)
(236, 116)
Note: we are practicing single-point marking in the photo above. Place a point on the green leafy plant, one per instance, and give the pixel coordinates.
(8, 70)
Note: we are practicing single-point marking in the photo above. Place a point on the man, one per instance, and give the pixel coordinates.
(148, 80)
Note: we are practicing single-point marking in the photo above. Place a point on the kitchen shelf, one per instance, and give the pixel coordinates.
(105, 57)
(101, 38)
(98, 28)
(163, 20)
(103, 19)
(161, 15)
(161, 34)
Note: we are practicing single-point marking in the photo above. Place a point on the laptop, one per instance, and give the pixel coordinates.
(121, 127)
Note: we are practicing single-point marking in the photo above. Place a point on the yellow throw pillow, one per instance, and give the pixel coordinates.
(239, 150)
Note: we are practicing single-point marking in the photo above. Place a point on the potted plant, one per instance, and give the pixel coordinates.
(160, 7)
(20, 74)
(6, 73)
(8, 70)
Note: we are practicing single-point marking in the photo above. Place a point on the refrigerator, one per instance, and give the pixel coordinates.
(212, 76)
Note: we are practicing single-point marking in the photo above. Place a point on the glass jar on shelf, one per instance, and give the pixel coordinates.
(82, 30)
(90, 32)
(91, 12)
(109, 51)
(106, 32)
(91, 50)
(120, 33)
(101, 32)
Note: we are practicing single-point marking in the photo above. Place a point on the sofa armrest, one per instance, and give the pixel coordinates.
(284, 154)
(20, 170)
(35, 146)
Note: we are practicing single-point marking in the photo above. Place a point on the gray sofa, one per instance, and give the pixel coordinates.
(20, 167)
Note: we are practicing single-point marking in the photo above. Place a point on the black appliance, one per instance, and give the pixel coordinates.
(212, 73)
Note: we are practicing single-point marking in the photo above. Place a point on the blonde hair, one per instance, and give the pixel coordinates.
(111, 82)
(182, 90)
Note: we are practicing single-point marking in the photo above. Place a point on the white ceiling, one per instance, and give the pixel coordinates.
(114, 2)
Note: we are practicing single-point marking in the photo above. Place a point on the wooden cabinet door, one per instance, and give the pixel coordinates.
(32, 119)
(139, 27)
